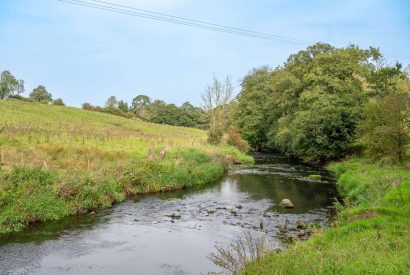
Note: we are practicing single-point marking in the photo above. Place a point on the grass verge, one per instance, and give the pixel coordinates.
(370, 236)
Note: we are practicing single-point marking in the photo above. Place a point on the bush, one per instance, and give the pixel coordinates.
(215, 137)
(385, 131)
(234, 138)
(58, 102)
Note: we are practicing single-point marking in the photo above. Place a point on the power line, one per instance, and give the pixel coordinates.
(107, 8)
(200, 22)
(180, 20)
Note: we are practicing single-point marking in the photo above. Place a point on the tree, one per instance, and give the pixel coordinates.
(123, 106)
(385, 130)
(58, 102)
(140, 102)
(87, 106)
(215, 100)
(253, 108)
(40, 94)
(310, 107)
(112, 102)
(9, 85)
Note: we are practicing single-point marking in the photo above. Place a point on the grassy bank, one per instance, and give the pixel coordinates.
(371, 234)
(58, 161)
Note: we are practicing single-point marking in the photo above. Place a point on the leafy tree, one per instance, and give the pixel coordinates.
(385, 130)
(87, 106)
(9, 85)
(112, 102)
(309, 107)
(139, 102)
(191, 116)
(252, 111)
(387, 80)
(58, 102)
(40, 94)
(215, 102)
(123, 106)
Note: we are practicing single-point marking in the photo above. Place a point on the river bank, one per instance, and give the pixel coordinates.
(370, 235)
(30, 195)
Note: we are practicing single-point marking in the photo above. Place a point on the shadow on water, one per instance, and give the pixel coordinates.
(172, 233)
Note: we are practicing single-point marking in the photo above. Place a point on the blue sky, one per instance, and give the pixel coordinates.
(87, 55)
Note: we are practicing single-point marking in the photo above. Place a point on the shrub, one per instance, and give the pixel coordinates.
(215, 137)
(385, 130)
(234, 138)
(58, 102)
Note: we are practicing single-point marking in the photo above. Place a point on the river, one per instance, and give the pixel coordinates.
(173, 233)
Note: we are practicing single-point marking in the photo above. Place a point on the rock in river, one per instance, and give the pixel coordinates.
(270, 214)
(174, 215)
(301, 224)
(286, 203)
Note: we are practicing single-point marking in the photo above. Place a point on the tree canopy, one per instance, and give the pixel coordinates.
(311, 106)
(9, 85)
(40, 94)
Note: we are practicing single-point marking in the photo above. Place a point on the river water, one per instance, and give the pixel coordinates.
(174, 233)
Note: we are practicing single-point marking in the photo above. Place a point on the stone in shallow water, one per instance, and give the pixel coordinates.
(270, 214)
(286, 203)
(174, 215)
(301, 224)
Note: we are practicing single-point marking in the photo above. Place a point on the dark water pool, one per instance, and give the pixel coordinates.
(145, 235)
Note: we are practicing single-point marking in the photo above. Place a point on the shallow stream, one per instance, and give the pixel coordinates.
(173, 233)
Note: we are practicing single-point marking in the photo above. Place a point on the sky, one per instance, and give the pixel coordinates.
(86, 55)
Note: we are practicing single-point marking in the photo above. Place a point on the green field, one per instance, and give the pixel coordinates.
(371, 234)
(58, 161)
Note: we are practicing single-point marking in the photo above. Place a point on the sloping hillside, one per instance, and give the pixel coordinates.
(58, 161)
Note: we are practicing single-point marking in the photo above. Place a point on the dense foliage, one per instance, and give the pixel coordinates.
(40, 94)
(156, 111)
(312, 105)
(9, 85)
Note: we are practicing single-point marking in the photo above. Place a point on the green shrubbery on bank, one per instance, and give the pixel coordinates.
(371, 234)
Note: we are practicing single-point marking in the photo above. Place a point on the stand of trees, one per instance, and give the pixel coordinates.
(325, 102)
(11, 87)
(156, 111)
